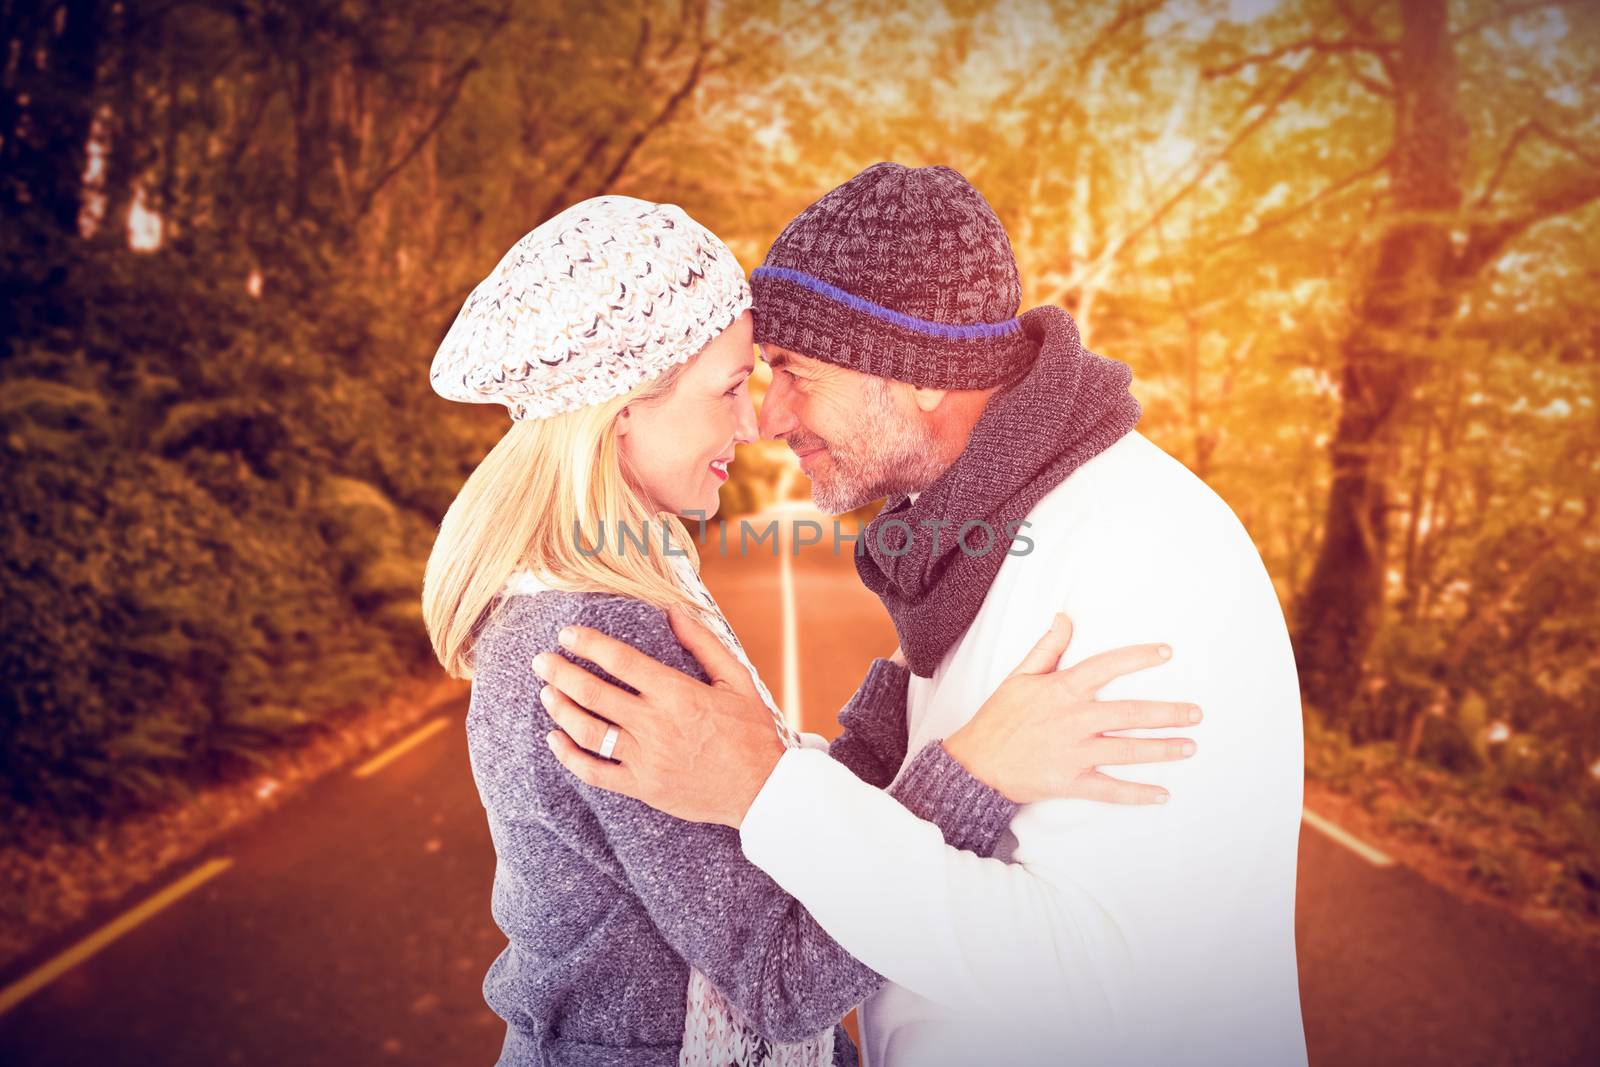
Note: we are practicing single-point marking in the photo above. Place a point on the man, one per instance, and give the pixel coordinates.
(1103, 933)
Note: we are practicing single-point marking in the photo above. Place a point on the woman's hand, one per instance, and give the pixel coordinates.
(1043, 734)
(699, 752)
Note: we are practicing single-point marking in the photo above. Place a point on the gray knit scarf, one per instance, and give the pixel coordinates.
(1068, 407)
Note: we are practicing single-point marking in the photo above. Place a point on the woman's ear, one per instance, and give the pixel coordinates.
(623, 421)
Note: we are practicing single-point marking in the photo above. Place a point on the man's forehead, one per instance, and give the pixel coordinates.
(778, 354)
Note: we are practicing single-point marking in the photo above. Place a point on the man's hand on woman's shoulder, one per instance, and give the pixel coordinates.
(695, 751)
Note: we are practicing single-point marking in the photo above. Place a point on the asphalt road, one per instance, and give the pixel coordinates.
(352, 925)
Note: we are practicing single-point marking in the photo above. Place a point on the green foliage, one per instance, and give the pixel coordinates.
(1509, 833)
(157, 625)
(1500, 870)
(195, 567)
(224, 466)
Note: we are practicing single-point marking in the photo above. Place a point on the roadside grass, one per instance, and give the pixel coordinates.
(1490, 834)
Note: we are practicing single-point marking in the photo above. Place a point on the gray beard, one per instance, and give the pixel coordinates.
(892, 455)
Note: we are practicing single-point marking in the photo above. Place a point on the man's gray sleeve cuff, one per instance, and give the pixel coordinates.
(886, 680)
(937, 789)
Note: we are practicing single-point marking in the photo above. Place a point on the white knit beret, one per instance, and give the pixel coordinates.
(601, 298)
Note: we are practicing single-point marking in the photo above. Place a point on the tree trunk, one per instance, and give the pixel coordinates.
(1403, 305)
(46, 109)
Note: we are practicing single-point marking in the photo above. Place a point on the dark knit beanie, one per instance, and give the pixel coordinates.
(900, 272)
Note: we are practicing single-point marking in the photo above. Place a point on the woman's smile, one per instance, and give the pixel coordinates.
(707, 412)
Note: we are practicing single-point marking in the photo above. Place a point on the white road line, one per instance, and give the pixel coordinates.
(1348, 840)
(43, 975)
(400, 748)
(791, 641)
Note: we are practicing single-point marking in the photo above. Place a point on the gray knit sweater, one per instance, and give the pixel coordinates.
(607, 902)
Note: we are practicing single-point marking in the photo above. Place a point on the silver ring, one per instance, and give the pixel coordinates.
(609, 745)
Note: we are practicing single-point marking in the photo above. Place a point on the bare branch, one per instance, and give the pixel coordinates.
(1570, 145)
(643, 43)
(1361, 23)
(1485, 616)
(1327, 193)
(1372, 46)
(1507, 153)
(1509, 13)
(585, 158)
(748, 49)
(246, 129)
(1289, 87)
(671, 47)
(685, 89)
(1127, 14)
(452, 91)
(1373, 85)
(1486, 240)
(1530, 128)
(695, 12)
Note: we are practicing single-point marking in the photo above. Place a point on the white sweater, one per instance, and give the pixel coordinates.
(1114, 934)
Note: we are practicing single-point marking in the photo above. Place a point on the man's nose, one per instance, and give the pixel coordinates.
(747, 430)
(776, 419)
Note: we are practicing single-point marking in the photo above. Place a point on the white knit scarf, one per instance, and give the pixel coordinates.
(715, 1034)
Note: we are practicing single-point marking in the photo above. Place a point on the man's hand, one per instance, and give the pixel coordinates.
(699, 752)
(1043, 734)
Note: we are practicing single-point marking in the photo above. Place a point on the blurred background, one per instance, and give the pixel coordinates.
(1349, 248)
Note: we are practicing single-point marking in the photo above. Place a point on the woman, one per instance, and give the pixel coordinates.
(618, 335)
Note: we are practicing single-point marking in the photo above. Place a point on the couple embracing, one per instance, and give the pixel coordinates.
(1060, 823)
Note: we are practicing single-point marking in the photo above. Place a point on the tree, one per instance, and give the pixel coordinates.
(1420, 276)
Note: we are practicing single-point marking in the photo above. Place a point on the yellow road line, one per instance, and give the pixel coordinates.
(41, 976)
(400, 748)
(1348, 840)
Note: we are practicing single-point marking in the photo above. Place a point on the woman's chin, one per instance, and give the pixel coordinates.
(702, 512)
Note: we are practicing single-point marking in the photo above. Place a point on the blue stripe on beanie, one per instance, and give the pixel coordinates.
(942, 330)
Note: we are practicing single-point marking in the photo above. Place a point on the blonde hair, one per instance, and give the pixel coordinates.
(524, 507)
